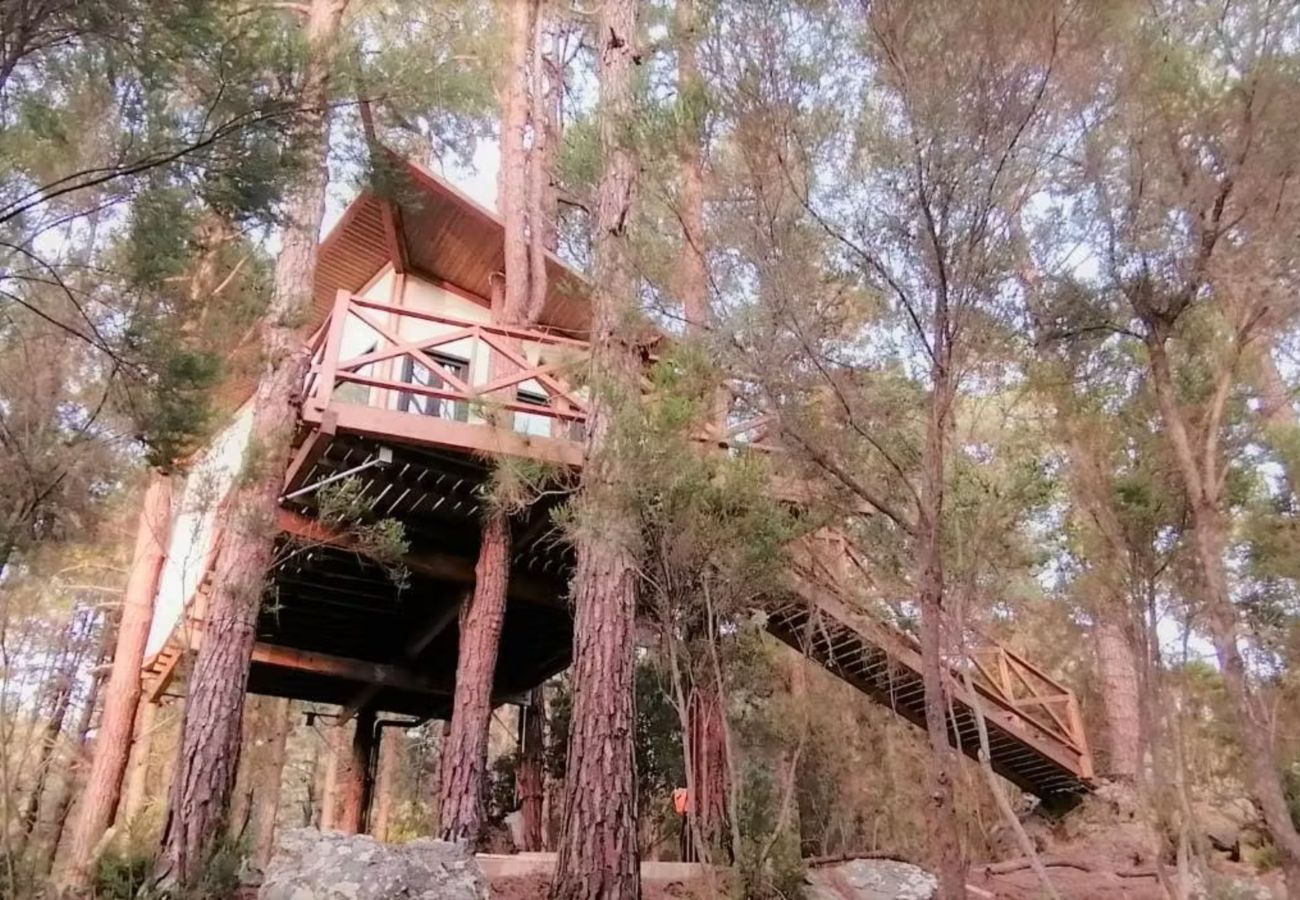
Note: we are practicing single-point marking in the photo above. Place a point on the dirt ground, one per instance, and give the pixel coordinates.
(1071, 884)
(533, 887)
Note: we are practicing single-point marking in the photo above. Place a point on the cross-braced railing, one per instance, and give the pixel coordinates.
(408, 360)
(1020, 698)
(387, 358)
(1022, 686)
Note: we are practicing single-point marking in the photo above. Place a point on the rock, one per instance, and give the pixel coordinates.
(871, 879)
(1228, 887)
(311, 865)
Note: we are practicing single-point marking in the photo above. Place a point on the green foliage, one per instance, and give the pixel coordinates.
(343, 504)
(123, 874)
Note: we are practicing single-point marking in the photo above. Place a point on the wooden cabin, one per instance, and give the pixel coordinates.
(406, 397)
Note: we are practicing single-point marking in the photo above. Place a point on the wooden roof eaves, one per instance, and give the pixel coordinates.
(434, 182)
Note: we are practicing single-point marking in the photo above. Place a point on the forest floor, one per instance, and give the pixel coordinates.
(1100, 883)
(1071, 884)
(530, 887)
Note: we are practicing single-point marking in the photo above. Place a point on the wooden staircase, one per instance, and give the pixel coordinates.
(1035, 733)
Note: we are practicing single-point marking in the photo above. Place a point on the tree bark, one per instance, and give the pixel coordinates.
(941, 810)
(694, 275)
(531, 779)
(540, 234)
(598, 853)
(107, 638)
(1117, 666)
(103, 788)
(271, 777)
(514, 165)
(210, 739)
(1202, 485)
(59, 693)
(464, 761)
(141, 748)
(359, 784)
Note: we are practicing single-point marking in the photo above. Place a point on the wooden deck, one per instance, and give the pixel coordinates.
(336, 629)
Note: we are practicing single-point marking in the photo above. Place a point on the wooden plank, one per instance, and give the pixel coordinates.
(410, 350)
(329, 359)
(385, 424)
(346, 668)
(306, 456)
(402, 347)
(394, 236)
(407, 387)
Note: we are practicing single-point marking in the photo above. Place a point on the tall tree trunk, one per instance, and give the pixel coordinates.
(540, 201)
(941, 809)
(103, 788)
(514, 175)
(1201, 483)
(598, 853)
(694, 275)
(271, 777)
(708, 765)
(58, 822)
(1117, 666)
(464, 760)
(210, 739)
(531, 783)
(465, 756)
(137, 785)
(59, 700)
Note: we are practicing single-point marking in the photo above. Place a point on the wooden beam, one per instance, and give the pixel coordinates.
(426, 636)
(346, 668)
(308, 453)
(484, 440)
(395, 236)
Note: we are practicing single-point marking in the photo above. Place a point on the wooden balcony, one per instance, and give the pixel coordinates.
(427, 378)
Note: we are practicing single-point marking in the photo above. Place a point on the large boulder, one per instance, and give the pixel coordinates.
(313, 865)
(871, 879)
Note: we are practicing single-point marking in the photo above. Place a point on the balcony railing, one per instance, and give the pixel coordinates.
(419, 374)
(407, 373)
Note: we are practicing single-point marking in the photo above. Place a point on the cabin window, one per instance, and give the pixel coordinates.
(426, 405)
(532, 423)
(350, 391)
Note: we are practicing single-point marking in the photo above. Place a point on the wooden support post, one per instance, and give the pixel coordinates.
(337, 747)
(358, 787)
(390, 761)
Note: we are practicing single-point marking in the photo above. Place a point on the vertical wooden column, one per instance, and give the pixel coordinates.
(336, 765)
(390, 762)
(359, 783)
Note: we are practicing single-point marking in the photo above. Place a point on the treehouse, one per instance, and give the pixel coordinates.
(412, 392)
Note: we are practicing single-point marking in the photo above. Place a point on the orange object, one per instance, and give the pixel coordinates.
(681, 802)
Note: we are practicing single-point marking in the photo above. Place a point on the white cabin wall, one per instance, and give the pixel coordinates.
(194, 521)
